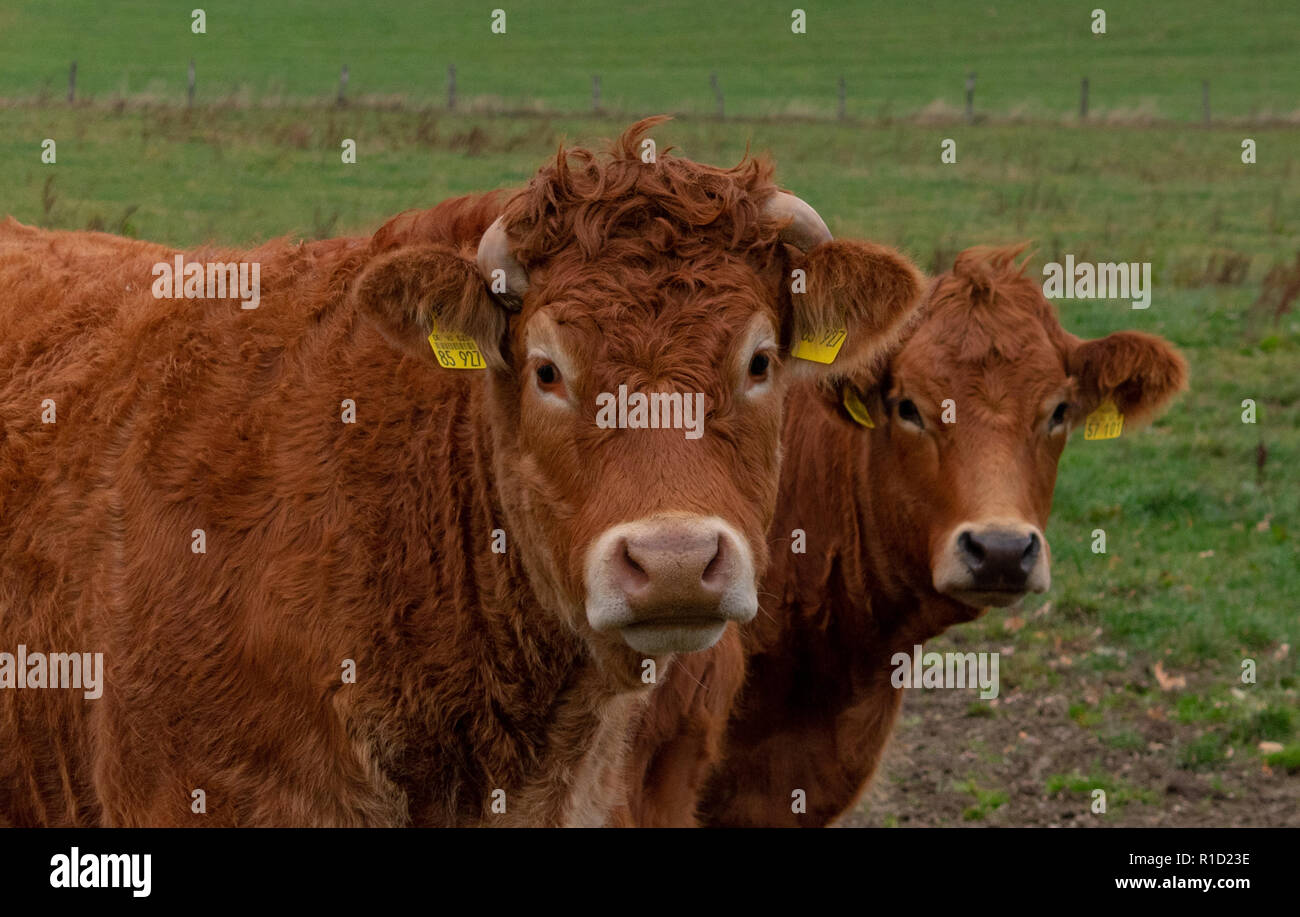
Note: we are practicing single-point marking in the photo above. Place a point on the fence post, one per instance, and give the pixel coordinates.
(189, 94)
(595, 93)
(72, 83)
(842, 94)
(717, 91)
(1083, 98)
(451, 88)
(970, 96)
(343, 86)
(1205, 101)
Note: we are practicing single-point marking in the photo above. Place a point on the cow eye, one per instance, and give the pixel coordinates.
(548, 378)
(1058, 416)
(760, 370)
(907, 411)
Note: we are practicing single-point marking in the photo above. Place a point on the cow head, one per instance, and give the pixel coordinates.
(636, 314)
(971, 413)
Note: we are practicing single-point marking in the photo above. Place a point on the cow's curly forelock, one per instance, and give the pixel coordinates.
(671, 205)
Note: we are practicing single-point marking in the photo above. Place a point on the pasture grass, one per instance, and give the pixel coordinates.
(1119, 793)
(986, 800)
(1287, 759)
(1178, 197)
(896, 58)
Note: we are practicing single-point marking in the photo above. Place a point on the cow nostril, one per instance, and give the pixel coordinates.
(632, 572)
(716, 568)
(1032, 550)
(971, 549)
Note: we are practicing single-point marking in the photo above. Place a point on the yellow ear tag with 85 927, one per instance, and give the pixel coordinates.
(1104, 423)
(820, 348)
(455, 351)
(857, 410)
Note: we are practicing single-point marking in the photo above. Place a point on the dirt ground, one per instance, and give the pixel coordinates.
(1030, 763)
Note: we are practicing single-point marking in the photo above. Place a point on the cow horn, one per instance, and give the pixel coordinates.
(494, 255)
(805, 229)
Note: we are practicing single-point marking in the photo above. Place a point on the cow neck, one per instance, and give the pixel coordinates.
(810, 592)
(851, 594)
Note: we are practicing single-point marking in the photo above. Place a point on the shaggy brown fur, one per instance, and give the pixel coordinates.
(817, 705)
(371, 541)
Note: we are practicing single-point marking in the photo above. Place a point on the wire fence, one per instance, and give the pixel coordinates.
(836, 111)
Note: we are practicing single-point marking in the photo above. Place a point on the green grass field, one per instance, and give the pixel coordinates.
(1201, 570)
(895, 57)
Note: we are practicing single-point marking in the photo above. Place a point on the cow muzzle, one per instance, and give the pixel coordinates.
(992, 563)
(669, 584)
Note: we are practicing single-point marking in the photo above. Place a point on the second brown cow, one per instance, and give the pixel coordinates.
(913, 524)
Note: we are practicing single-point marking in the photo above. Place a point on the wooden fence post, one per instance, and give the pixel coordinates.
(970, 96)
(72, 83)
(451, 88)
(717, 92)
(1083, 98)
(343, 86)
(189, 94)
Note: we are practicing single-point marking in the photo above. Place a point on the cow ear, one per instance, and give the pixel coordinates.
(408, 289)
(1139, 372)
(857, 294)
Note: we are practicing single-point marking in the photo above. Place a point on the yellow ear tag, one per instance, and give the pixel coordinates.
(822, 348)
(857, 410)
(455, 351)
(1104, 423)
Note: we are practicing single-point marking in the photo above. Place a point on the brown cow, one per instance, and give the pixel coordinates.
(336, 584)
(912, 525)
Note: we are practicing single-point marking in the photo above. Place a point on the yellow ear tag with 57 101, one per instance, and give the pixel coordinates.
(820, 348)
(455, 351)
(857, 410)
(1104, 423)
